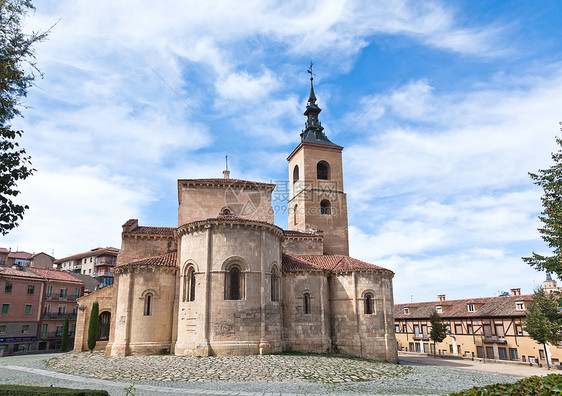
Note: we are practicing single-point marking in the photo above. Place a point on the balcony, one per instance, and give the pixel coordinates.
(60, 297)
(490, 339)
(421, 337)
(56, 315)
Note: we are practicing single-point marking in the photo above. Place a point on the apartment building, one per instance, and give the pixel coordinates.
(486, 328)
(34, 304)
(98, 262)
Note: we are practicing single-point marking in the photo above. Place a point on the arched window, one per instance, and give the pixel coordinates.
(295, 212)
(103, 326)
(226, 212)
(148, 301)
(323, 171)
(234, 283)
(295, 174)
(369, 304)
(325, 207)
(189, 284)
(274, 284)
(306, 302)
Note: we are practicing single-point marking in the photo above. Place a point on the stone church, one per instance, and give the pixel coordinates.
(227, 281)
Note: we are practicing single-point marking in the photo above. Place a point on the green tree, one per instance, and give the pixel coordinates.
(93, 326)
(64, 342)
(438, 330)
(543, 322)
(550, 180)
(17, 68)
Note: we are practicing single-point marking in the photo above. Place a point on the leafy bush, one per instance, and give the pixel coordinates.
(22, 390)
(532, 386)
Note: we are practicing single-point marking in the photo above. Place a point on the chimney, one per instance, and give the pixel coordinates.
(130, 225)
(441, 297)
(516, 292)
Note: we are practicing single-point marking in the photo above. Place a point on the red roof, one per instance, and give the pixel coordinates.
(54, 276)
(152, 230)
(19, 255)
(92, 253)
(18, 273)
(227, 218)
(483, 307)
(165, 260)
(4, 250)
(329, 262)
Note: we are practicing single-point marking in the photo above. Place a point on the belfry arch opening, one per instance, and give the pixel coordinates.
(295, 174)
(325, 207)
(323, 170)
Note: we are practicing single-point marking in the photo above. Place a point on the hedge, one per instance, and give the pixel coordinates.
(532, 386)
(22, 390)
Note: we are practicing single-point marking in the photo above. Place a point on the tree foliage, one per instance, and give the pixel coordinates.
(64, 342)
(438, 330)
(550, 180)
(543, 322)
(17, 69)
(93, 326)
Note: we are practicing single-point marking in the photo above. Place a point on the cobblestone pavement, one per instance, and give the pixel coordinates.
(249, 375)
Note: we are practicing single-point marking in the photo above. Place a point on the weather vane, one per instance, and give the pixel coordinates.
(310, 69)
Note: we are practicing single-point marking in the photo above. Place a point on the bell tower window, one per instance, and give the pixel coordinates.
(295, 174)
(323, 171)
(325, 207)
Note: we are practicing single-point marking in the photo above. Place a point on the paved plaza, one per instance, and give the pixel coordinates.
(255, 375)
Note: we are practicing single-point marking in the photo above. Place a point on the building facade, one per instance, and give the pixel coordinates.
(34, 303)
(98, 263)
(485, 328)
(227, 281)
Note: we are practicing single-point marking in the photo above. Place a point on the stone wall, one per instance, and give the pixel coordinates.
(203, 202)
(306, 332)
(104, 297)
(355, 332)
(303, 245)
(139, 246)
(136, 331)
(212, 324)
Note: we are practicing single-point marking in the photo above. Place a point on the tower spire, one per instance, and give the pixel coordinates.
(313, 129)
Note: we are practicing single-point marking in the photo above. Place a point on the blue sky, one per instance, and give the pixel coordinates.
(435, 171)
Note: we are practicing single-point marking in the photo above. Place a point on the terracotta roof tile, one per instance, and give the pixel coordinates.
(165, 260)
(329, 262)
(18, 273)
(153, 230)
(19, 255)
(483, 307)
(94, 252)
(52, 275)
(227, 218)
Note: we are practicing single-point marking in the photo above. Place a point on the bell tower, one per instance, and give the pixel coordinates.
(317, 198)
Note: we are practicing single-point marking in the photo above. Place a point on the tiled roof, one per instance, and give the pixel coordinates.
(232, 218)
(329, 262)
(152, 230)
(291, 233)
(4, 250)
(483, 307)
(165, 260)
(226, 182)
(19, 255)
(92, 253)
(18, 273)
(56, 276)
